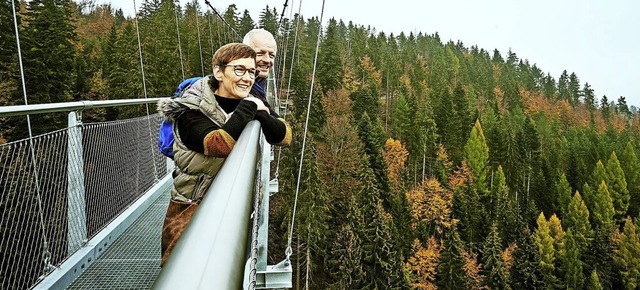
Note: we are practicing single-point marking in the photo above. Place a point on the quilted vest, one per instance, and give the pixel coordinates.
(194, 171)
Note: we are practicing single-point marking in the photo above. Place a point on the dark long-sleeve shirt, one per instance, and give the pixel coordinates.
(200, 134)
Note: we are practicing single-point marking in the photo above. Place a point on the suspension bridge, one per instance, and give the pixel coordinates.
(84, 210)
(83, 207)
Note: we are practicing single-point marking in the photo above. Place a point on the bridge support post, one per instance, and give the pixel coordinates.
(76, 214)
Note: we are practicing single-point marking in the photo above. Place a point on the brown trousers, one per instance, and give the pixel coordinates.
(178, 216)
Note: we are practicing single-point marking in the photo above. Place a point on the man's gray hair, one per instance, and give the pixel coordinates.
(248, 38)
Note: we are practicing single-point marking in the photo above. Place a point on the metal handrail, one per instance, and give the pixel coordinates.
(19, 110)
(212, 250)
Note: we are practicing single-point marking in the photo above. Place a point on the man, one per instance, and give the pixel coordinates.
(264, 44)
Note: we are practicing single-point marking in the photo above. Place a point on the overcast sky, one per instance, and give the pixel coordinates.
(598, 40)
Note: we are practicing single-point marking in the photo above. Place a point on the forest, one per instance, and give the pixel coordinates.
(428, 164)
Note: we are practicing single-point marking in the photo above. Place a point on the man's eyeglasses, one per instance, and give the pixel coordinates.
(240, 70)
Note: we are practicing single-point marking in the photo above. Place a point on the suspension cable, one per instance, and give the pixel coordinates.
(286, 102)
(46, 254)
(293, 54)
(286, 47)
(282, 14)
(195, 4)
(211, 40)
(144, 83)
(144, 86)
(223, 20)
(217, 27)
(288, 251)
(279, 39)
(218, 32)
(283, 60)
(175, 10)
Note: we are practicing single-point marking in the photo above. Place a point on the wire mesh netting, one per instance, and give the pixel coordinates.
(125, 163)
(59, 189)
(133, 260)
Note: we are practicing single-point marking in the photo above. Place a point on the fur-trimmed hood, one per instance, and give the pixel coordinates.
(190, 99)
(170, 109)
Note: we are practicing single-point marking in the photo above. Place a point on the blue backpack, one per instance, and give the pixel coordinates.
(165, 135)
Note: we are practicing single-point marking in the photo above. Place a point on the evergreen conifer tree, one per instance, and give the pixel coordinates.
(603, 210)
(563, 190)
(495, 271)
(574, 89)
(9, 70)
(599, 257)
(230, 15)
(330, 63)
(382, 260)
(571, 264)
(588, 97)
(477, 156)
(451, 273)
(246, 23)
(589, 196)
(605, 108)
(124, 78)
(545, 244)
(526, 272)
(498, 194)
(563, 86)
(617, 185)
(626, 254)
(402, 119)
(577, 219)
(594, 282)
(631, 168)
(622, 107)
(268, 20)
(48, 56)
(8, 53)
(370, 135)
(599, 175)
(346, 267)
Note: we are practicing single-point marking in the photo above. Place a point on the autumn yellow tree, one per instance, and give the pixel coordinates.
(395, 156)
(421, 268)
(473, 271)
(507, 256)
(431, 202)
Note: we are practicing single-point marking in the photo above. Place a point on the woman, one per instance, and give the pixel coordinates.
(208, 119)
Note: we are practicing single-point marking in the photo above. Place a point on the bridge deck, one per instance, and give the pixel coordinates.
(132, 261)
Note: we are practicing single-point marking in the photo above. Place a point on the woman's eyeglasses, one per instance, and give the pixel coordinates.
(240, 70)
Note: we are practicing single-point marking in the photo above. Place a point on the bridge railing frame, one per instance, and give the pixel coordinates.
(81, 251)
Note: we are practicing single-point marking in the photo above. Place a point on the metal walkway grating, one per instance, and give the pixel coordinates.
(133, 260)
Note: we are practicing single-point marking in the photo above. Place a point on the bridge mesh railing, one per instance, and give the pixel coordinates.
(42, 223)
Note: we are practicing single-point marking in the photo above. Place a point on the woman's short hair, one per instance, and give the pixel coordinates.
(228, 53)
